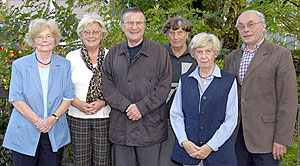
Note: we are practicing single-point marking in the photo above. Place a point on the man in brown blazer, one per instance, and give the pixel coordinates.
(267, 88)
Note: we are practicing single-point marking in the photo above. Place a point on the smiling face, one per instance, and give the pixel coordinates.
(91, 35)
(44, 41)
(133, 26)
(252, 35)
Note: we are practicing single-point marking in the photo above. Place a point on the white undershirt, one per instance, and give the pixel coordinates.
(81, 77)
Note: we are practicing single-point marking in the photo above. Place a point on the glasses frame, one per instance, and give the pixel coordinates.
(131, 23)
(249, 25)
(42, 38)
(88, 33)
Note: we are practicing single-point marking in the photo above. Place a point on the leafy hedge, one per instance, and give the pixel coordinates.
(14, 26)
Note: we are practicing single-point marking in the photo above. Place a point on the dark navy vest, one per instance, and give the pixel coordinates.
(201, 125)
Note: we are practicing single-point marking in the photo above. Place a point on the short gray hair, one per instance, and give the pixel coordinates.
(204, 39)
(259, 14)
(89, 19)
(38, 25)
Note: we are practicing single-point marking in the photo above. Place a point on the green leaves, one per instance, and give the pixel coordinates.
(15, 23)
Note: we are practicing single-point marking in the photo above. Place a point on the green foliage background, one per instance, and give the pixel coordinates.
(214, 16)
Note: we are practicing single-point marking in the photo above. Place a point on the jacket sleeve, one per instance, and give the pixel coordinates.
(227, 63)
(287, 99)
(69, 92)
(158, 96)
(111, 93)
(16, 92)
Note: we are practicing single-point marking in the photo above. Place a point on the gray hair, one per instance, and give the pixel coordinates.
(38, 25)
(259, 14)
(204, 39)
(89, 19)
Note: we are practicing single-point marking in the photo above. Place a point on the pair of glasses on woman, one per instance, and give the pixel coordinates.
(46, 37)
(88, 33)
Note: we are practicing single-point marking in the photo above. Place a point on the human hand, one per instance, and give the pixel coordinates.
(45, 124)
(84, 106)
(190, 147)
(133, 112)
(278, 150)
(202, 153)
(95, 106)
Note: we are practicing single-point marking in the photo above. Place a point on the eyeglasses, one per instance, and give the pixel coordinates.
(249, 25)
(88, 33)
(42, 38)
(131, 23)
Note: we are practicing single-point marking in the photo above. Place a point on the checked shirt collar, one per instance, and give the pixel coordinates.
(246, 59)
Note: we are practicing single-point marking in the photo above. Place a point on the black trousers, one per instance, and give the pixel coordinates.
(245, 158)
(136, 155)
(43, 155)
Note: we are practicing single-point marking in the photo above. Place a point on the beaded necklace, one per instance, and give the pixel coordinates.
(42, 62)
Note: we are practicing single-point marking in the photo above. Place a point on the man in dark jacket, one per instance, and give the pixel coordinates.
(136, 82)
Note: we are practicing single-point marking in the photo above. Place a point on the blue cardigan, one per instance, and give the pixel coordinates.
(21, 135)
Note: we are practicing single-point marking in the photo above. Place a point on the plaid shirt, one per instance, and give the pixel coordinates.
(246, 59)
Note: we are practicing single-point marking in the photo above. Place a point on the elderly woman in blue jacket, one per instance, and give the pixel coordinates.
(41, 91)
(205, 109)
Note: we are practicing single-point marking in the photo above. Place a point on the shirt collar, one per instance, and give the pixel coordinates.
(216, 73)
(144, 50)
(244, 46)
(168, 47)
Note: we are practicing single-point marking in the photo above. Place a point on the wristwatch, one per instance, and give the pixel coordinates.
(55, 116)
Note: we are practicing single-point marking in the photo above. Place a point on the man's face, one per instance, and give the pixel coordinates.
(178, 37)
(133, 25)
(251, 29)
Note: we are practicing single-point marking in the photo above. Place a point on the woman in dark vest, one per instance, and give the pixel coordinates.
(205, 109)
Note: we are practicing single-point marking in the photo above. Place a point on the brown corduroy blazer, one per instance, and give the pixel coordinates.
(268, 97)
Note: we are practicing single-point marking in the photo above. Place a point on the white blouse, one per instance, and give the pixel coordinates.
(81, 77)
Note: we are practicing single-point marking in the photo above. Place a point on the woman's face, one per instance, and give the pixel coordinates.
(205, 56)
(91, 35)
(44, 41)
(178, 38)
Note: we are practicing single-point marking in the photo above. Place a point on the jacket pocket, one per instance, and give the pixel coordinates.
(269, 118)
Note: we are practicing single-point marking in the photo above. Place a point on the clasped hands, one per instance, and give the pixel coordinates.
(195, 151)
(93, 107)
(133, 112)
(44, 125)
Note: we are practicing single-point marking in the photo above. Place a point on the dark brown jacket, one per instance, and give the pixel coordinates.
(267, 98)
(146, 81)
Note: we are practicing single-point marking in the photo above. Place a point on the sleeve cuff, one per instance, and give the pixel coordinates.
(70, 99)
(212, 145)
